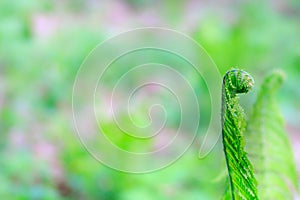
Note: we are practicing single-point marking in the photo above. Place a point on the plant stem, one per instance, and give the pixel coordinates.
(240, 171)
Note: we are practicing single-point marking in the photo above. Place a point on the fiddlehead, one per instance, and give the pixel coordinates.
(240, 170)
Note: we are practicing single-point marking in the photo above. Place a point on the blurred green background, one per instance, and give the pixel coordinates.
(44, 42)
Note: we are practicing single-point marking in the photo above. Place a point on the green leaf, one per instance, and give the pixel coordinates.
(241, 176)
(268, 145)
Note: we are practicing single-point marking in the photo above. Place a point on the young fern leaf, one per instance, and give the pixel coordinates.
(268, 145)
(241, 177)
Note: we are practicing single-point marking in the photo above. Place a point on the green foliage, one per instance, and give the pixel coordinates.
(266, 142)
(43, 43)
(268, 145)
(241, 176)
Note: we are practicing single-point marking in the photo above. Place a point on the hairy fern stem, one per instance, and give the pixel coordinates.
(240, 171)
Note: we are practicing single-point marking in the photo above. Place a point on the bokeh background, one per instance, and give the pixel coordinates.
(44, 42)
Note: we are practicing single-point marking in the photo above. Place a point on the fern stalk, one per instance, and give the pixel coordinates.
(240, 171)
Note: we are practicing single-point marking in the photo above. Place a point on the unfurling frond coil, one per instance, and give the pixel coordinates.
(240, 170)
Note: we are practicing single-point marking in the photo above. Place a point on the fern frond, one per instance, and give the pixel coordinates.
(268, 145)
(241, 176)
